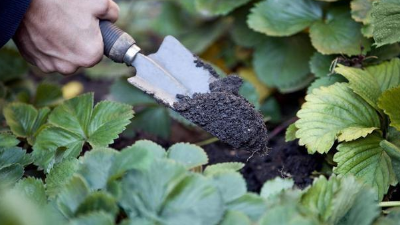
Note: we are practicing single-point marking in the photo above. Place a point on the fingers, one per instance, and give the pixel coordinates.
(109, 11)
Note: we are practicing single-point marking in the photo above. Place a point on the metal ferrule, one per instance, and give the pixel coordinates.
(130, 54)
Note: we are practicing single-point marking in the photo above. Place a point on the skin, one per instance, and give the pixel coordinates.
(64, 35)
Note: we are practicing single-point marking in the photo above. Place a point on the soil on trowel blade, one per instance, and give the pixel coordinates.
(226, 115)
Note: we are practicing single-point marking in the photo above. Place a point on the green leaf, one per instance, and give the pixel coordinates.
(98, 201)
(385, 21)
(9, 175)
(338, 34)
(230, 184)
(54, 145)
(14, 155)
(364, 210)
(249, 92)
(223, 167)
(325, 82)
(59, 176)
(48, 95)
(291, 133)
(341, 201)
(96, 166)
(385, 53)
(241, 33)
(107, 121)
(272, 110)
(352, 201)
(94, 218)
(24, 120)
(320, 196)
(132, 157)
(250, 204)
(284, 17)
(235, 218)
(121, 87)
(361, 10)
(156, 150)
(199, 38)
(320, 64)
(76, 122)
(72, 195)
(168, 193)
(365, 159)
(193, 199)
(272, 57)
(32, 189)
(390, 103)
(154, 120)
(334, 113)
(371, 82)
(8, 140)
(12, 65)
(288, 213)
(108, 70)
(74, 115)
(393, 152)
(218, 7)
(363, 83)
(273, 188)
(189, 155)
(387, 74)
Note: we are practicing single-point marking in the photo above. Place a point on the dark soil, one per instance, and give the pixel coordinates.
(226, 115)
(283, 160)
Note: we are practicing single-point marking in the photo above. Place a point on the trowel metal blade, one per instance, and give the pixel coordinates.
(170, 71)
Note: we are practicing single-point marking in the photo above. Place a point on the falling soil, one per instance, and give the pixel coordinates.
(226, 115)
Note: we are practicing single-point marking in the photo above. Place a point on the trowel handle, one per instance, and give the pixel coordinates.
(118, 45)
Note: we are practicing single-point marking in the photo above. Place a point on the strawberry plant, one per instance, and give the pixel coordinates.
(69, 159)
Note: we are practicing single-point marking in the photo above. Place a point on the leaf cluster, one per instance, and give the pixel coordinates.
(362, 116)
(146, 184)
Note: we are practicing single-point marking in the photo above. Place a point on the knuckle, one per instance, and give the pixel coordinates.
(65, 68)
(104, 6)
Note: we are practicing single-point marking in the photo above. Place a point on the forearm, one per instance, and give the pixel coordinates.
(11, 14)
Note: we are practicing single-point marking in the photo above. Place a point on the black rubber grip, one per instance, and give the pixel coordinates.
(110, 34)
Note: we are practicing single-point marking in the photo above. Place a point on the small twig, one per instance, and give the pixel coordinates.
(389, 204)
(281, 127)
(207, 141)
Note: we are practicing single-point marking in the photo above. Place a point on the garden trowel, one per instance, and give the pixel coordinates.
(169, 72)
(181, 81)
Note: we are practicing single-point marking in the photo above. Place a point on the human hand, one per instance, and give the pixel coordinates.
(64, 35)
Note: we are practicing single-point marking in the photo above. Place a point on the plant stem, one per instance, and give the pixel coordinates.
(281, 127)
(389, 204)
(207, 141)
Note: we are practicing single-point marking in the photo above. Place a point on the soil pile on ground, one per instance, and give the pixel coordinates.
(226, 115)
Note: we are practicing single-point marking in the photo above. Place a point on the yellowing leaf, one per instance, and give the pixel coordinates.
(72, 89)
(332, 113)
(361, 10)
(390, 103)
(362, 83)
(372, 81)
(365, 159)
